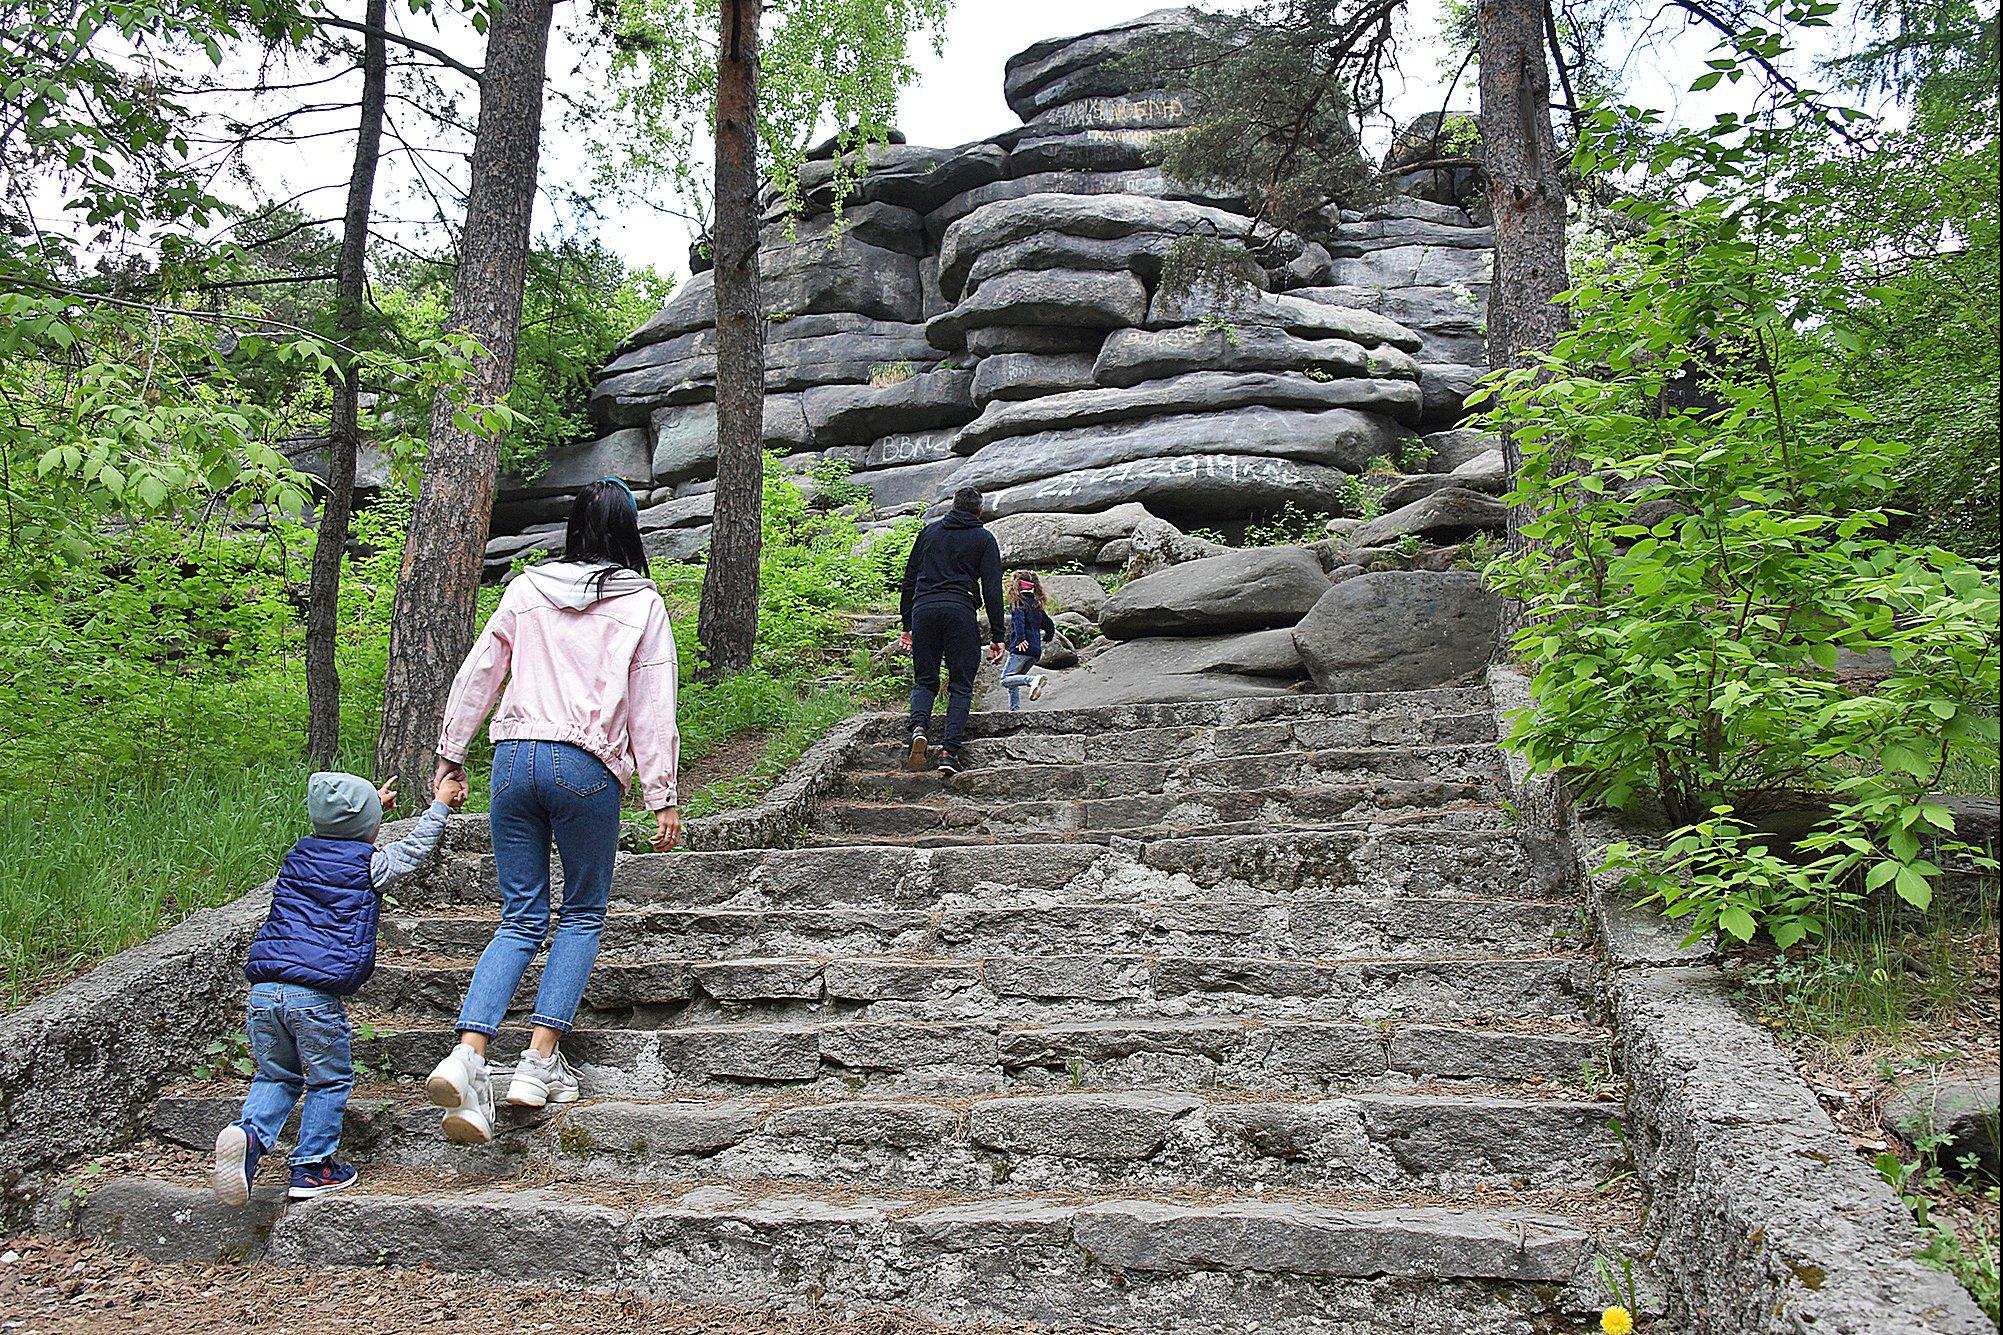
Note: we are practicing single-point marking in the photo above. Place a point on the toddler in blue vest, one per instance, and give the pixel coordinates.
(317, 946)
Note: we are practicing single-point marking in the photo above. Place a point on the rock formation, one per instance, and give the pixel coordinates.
(996, 315)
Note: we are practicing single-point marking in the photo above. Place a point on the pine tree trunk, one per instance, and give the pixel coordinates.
(1525, 190)
(323, 596)
(727, 624)
(431, 627)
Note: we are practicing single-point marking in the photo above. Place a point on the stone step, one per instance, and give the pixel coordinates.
(1403, 715)
(1020, 782)
(675, 991)
(1207, 1262)
(1148, 814)
(1420, 856)
(1315, 927)
(966, 1057)
(992, 743)
(1050, 1140)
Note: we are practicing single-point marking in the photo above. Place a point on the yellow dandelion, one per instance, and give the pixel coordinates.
(1617, 1321)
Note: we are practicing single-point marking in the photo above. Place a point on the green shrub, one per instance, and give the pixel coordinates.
(1705, 544)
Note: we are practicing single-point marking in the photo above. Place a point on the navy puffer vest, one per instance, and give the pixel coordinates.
(322, 928)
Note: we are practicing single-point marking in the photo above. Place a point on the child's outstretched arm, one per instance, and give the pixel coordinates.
(398, 860)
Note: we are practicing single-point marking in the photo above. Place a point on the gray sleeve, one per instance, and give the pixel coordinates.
(406, 855)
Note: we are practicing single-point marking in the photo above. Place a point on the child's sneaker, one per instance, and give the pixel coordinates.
(463, 1087)
(310, 1180)
(1036, 685)
(915, 760)
(949, 763)
(540, 1080)
(237, 1153)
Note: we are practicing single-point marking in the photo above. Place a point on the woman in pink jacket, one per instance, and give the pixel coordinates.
(588, 658)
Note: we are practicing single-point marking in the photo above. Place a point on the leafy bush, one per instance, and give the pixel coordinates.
(1710, 535)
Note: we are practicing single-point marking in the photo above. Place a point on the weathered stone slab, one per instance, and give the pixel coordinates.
(855, 414)
(1244, 305)
(1053, 297)
(1252, 589)
(656, 1128)
(1198, 485)
(1131, 356)
(1399, 630)
(1027, 375)
(1446, 515)
(1080, 1126)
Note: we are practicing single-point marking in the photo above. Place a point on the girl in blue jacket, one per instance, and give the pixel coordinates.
(1029, 626)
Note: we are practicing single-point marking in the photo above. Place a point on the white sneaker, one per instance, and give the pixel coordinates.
(462, 1085)
(540, 1080)
(1036, 684)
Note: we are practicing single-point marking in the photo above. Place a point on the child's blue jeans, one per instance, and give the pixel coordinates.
(1016, 674)
(544, 793)
(299, 1039)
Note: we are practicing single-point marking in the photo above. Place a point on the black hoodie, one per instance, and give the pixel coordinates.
(955, 561)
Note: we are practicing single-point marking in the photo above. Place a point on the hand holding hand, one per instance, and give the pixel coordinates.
(994, 653)
(451, 790)
(667, 829)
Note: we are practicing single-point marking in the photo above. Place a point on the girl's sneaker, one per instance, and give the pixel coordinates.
(310, 1180)
(1036, 685)
(463, 1087)
(237, 1153)
(540, 1080)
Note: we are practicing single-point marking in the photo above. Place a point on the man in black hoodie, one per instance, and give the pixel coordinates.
(954, 565)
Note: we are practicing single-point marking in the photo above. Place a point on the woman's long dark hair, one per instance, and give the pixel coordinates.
(605, 530)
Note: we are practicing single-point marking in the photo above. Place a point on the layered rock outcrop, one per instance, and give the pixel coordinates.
(997, 315)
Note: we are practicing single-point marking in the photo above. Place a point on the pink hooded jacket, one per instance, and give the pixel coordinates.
(594, 667)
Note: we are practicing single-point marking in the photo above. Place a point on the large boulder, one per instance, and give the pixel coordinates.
(1198, 487)
(1065, 70)
(1071, 212)
(1075, 593)
(1056, 297)
(1094, 437)
(810, 277)
(1447, 515)
(1399, 630)
(1240, 304)
(1201, 391)
(1131, 356)
(1254, 589)
(850, 414)
(626, 455)
(1047, 150)
(1179, 668)
(1029, 375)
(1141, 253)
(1041, 540)
(1157, 109)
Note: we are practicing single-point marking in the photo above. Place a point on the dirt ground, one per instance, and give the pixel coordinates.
(56, 1287)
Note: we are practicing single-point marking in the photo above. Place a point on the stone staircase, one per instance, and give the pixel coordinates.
(1249, 1015)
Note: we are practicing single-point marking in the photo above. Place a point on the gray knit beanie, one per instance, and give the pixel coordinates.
(343, 806)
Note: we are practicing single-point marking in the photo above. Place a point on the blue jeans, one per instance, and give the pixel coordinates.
(1016, 675)
(544, 793)
(299, 1040)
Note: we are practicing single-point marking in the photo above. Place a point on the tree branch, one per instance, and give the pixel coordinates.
(409, 43)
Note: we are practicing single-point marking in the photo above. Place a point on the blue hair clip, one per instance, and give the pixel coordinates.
(620, 483)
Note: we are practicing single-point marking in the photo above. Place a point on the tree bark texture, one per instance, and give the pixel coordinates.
(431, 627)
(323, 597)
(727, 623)
(1526, 193)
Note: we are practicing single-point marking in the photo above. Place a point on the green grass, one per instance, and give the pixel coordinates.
(1888, 973)
(87, 869)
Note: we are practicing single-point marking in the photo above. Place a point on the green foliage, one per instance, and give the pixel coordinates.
(1972, 1260)
(1291, 526)
(833, 487)
(820, 64)
(1711, 530)
(578, 305)
(1280, 87)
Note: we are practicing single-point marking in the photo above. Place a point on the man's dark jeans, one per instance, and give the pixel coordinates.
(950, 632)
